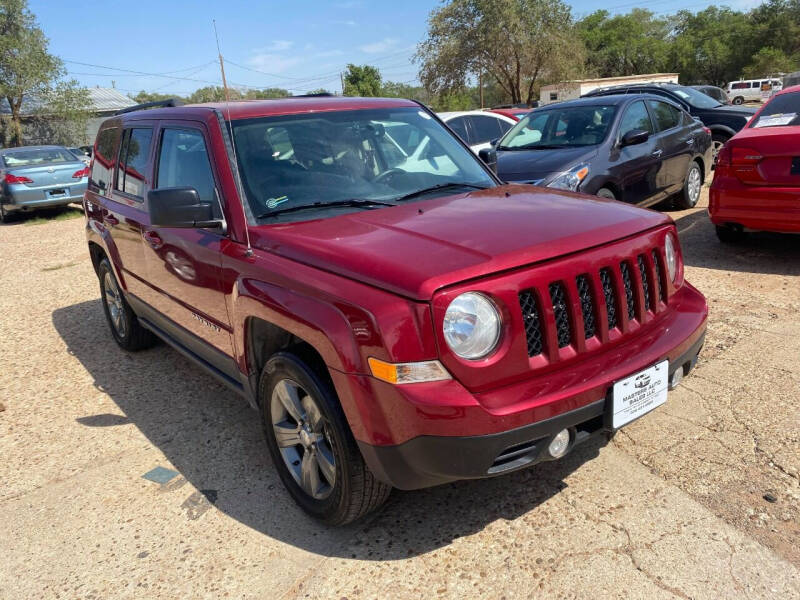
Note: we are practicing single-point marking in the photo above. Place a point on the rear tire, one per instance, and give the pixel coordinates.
(3, 214)
(317, 458)
(738, 100)
(692, 186)
(729, 234)
(604, 192)
(125, 327)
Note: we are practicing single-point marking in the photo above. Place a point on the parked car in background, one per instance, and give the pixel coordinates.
(82, 155)
(478, 128)
(717, 93)
(752, 90)
(723, 121)
(515, 113)
(639, 149)
(393, 326)
(40, 176)
(757, 182)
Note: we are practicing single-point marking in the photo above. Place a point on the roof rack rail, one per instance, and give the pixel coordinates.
(168, 103)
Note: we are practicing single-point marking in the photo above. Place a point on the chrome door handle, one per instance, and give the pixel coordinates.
(657, 153)
(690, 141)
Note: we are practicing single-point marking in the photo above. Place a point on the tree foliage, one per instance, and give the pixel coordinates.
(519, 44)
(63, 114)
(27, 69)
(362, 80)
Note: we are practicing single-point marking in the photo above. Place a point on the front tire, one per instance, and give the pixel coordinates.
(692, 185)
(604, 192)
(125, 327)
(311, 444)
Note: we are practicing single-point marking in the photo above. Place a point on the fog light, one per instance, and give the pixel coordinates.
(676, 378)
(559, 444)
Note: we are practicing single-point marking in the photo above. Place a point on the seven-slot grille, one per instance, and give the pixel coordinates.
(617, 289)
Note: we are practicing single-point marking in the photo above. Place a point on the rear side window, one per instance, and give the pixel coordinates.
(665, 115)
(133, 157)
(459, 125)
(183, 162)
(103, 165)
(635, 117)
(485, 129)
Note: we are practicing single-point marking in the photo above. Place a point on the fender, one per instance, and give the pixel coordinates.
(723, 129)
(98, 233)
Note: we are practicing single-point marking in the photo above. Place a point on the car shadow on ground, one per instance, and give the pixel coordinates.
(214, 439)
(760, 252)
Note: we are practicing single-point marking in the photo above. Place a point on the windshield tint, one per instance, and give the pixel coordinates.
(564, 127)
(25, 158)
(326, 158)
(780, 111)
(694, 98)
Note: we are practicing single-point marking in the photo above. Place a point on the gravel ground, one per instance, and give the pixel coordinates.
(698, 500)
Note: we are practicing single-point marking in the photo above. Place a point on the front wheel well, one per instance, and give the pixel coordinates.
(265, 339)
(97, 254)
(613, 188)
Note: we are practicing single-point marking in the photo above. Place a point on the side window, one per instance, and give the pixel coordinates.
(635, 117)
(103, 165)
(484, 129)
(459, 125)
(665, 115)
(553, 96)
(183, 162)
(133, 156)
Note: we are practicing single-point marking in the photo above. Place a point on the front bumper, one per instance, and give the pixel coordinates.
(430, 460)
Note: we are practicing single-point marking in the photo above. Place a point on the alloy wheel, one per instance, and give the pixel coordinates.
(694, 184)
(303, 437)
(116, 309)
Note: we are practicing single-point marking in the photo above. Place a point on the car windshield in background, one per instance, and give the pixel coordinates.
(344, 160)
(694, 97)
(566, 127)
(26, 158)
(781, 111)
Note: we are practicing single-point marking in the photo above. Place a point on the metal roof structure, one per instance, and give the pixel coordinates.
(102, 101)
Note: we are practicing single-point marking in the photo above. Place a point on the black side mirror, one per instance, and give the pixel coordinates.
(494, 142)
(489, 156)
(634, 136)
(179, 207)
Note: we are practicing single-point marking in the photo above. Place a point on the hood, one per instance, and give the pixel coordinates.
(534, 165)
(737, 111)
(416, 248)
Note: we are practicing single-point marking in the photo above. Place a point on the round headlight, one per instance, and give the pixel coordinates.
(671, 256)
(471, 326)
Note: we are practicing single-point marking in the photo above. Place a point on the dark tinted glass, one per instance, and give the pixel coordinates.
(133, 161)
(635, 117)
(485, 129)
(665, 115)
(459, 125)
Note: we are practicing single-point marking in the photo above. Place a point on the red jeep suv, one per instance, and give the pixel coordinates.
(396, 314)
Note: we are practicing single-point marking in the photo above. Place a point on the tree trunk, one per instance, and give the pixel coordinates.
(16, 121)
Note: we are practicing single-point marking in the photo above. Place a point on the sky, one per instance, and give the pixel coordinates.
(168, 46)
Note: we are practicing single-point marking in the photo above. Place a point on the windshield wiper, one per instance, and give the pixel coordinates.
(439, 186)
(355, 202)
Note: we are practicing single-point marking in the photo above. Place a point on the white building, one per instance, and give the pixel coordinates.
(569, 90)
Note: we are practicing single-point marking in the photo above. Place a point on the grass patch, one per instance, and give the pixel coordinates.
(46, 216)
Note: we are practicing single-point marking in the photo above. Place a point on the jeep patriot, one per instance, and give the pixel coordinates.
(396, 314)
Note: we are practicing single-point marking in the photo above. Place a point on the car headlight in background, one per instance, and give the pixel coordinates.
(472, 326)
(570, 179)
(671, 257)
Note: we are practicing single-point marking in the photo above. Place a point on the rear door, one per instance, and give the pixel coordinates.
(675, 144)
(636, 167)
(123, 211)
(183, 265)
(485, 129)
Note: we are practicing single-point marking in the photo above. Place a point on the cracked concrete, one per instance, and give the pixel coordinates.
(673, 508)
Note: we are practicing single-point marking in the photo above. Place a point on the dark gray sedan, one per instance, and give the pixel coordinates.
(40, 176)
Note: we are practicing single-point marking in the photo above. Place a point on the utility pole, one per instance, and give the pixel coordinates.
(480, 85)
(341, 76)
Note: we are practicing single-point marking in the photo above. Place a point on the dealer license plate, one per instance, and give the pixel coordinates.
(639, 394)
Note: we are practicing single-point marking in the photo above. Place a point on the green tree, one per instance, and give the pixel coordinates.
(62, 115)
(144, 97)
(266, 93)
(626, 44)
(520, 44)
(26, 67)
(212, 93)
(364, 80)
(769, 61)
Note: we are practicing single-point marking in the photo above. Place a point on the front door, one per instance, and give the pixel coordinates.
(184, 264)
(636, 167)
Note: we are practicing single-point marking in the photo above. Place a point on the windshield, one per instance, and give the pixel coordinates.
(780, 111)
(694, 98)
(326, 159)
(565, 127)
(25, 158)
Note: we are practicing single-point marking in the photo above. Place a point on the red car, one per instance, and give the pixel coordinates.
(396, 315)
(757, 181)
(513, 113)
